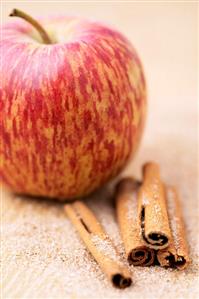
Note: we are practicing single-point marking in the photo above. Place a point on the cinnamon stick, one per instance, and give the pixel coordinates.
(138, 254)
(176, 255)
(152, 209)
(98, 243)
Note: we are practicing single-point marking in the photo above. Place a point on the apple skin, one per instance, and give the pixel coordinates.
(72, 113)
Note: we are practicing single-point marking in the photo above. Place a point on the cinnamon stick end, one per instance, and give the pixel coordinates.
(168, 259)
(121, 282)
(141, 256)
(158, 239)
(181, 262)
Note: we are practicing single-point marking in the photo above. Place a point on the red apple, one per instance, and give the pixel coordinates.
(72, 110)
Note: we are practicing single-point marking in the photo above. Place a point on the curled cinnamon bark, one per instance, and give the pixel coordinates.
(152, 209)
(137, 252)
(98, 243)
(176, 255)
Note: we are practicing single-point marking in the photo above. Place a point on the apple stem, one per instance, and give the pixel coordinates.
(18, 13)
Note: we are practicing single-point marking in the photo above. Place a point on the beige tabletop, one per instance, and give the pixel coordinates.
(42, 256)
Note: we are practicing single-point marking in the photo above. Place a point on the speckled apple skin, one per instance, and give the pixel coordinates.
(72, 113)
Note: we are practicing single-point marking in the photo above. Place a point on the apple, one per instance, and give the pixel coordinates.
(72, 105)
